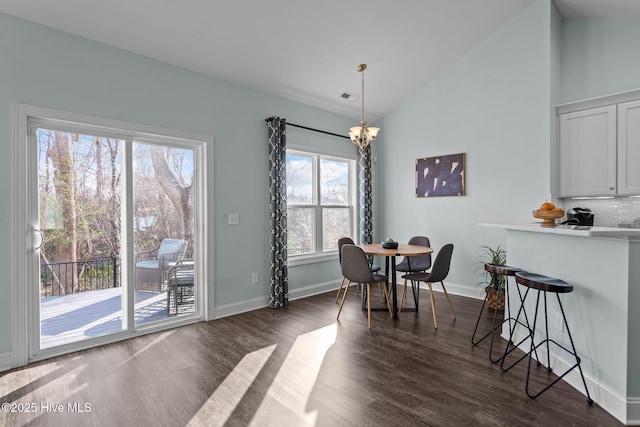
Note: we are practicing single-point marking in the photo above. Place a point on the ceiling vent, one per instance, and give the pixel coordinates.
(349, 96)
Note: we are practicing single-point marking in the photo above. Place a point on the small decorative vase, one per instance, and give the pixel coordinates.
(390, 244)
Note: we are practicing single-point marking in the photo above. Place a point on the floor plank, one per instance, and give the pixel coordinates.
(297, 367)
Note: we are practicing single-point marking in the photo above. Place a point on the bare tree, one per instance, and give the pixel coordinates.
(64, 183)
(80, 199)
(179, 193)
(114, 199)
(291, 174)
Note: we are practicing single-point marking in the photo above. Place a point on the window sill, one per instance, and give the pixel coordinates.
(312, 258)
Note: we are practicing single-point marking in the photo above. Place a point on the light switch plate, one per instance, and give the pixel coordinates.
(234, 219)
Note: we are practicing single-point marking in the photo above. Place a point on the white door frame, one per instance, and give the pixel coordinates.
(25, 262)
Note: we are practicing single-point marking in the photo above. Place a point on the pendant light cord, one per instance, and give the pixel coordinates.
(362, 97)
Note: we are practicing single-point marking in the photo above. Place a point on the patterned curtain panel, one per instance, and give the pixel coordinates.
(279, 285)
(366, 205)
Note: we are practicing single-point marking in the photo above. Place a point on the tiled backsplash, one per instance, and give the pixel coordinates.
(607, 212)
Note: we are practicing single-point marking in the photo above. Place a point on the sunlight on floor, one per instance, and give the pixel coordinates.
(157, 340)
(217, 409)
(60, 389)
(19, 379)
(286, 400)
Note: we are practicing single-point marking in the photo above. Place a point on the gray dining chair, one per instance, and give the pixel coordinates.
(355, 268)
(348, 241)
(438, 273)
(415, 264)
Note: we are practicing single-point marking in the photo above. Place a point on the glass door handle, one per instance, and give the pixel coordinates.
(37, 233)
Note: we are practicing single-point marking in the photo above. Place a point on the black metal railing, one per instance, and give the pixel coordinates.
(63, 278)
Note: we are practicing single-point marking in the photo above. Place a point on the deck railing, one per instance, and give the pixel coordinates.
(62, 278)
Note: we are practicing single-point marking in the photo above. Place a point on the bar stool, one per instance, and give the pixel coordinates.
(544, 285)
(502, 270)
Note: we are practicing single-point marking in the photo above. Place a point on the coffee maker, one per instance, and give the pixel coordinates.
(579, 216)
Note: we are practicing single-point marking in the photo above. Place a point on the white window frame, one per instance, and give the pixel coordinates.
(25, 240)
(317, 155)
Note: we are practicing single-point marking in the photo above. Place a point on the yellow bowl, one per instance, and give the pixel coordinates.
(548, 216)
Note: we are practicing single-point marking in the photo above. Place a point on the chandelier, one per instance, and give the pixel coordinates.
(362, 135)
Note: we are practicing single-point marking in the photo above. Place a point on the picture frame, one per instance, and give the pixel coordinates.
(440, 176)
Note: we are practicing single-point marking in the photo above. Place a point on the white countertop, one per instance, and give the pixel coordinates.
(569, 230)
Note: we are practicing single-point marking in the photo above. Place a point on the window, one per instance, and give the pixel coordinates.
(320, 202)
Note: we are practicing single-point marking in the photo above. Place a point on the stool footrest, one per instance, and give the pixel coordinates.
(492, 332)
(508, 351)
(549, 369)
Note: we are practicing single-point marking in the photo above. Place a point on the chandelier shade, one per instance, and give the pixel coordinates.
(362, 135)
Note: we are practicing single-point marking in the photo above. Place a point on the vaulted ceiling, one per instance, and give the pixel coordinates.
(306, 51)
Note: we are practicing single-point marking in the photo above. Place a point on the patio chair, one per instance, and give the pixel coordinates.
(152, 265)
(180, 284)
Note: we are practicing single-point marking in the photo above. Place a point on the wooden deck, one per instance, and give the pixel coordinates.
(71, 318)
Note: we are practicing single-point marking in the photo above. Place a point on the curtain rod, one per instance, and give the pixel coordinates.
(314, 130)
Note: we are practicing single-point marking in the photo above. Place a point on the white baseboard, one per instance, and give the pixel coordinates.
(240, 307)
(6, 361)
(308, 291)
(627, 411)
(320, 288)
(262, 302)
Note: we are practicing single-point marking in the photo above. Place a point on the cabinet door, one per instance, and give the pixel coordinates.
(588, 152)
(629, 148)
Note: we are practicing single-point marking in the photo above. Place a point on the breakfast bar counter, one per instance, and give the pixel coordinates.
(570, 230)
(603, 312)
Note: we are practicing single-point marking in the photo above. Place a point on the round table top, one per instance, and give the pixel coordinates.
(401, 250)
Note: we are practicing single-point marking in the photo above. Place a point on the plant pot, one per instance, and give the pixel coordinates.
(492, 299)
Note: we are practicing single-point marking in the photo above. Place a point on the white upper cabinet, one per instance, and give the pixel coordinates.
(599, 146)
(629, 148)
(588, 152)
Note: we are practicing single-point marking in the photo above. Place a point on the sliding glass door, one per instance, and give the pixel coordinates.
(163, 231)
(79, 211)
(115, 240)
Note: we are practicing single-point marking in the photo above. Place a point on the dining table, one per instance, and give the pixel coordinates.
(390, 261)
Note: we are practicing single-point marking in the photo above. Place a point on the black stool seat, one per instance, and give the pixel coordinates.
(503, 270)
(543, 283)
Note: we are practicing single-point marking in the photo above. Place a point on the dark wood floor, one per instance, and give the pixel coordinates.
(295, 367)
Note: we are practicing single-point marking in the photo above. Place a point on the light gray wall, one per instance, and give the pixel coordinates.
(493, 105)
(599, 57)
(556, 88)
(44, 67)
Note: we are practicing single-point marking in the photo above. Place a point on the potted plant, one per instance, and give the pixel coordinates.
(493, 282)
